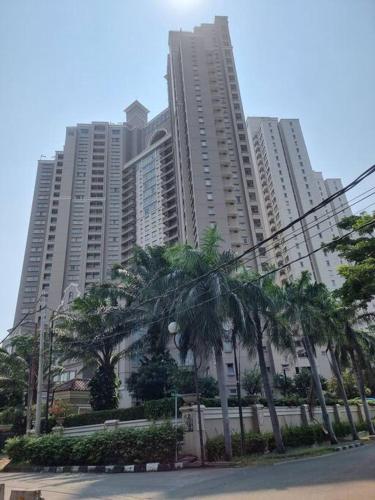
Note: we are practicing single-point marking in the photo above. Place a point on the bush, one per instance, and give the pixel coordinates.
(183, 382)
(10, 415)
(4, 436)
(161, 408)
(99, 417)
(259, 443)
(125, 446)
(254, 443)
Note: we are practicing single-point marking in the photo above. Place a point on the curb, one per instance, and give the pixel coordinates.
(347, 446)
(109, 469)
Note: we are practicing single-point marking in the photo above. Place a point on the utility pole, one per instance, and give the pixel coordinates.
(38, 413)
(31, 383)
(51, 332)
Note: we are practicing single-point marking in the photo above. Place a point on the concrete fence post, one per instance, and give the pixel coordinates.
(336, 413)
(258, 418)
(58, 429)
(361, 413)
(111, 425)
(304, 415)
(189, 415)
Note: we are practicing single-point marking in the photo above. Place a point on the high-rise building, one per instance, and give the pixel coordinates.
(150, 215)
(168, 179)
(215, 179)
(289, 188)
(76, 225)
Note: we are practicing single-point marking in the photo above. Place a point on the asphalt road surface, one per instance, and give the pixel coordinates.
(343, 475)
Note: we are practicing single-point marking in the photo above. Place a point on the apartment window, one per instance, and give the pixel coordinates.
(230, 370)
(209, 196)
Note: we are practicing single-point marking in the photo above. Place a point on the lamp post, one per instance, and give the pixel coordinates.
(231, 334)
(38, 411)
(285, 366)
(173, 328)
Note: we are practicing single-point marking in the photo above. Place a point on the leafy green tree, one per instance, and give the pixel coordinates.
(252, 382)
(302, 383)
(303, 311)
(350, 384)
(358, 250)
(154, 378)
(15, 371)
(92, 332)
(283, 383)
(183, 383)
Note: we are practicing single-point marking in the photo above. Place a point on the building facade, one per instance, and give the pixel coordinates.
(289, 187)
(166, 180)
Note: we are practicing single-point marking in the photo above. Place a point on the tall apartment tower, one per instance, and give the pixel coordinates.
(150, 214)
(214, 174)
(76, 225)
(290, 187)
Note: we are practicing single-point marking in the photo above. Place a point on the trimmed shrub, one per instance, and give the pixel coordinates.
(300, 436)
(99, 417)
(4, 436)
(125, 446)
(260, 443)
(254, 443)
(157, 409)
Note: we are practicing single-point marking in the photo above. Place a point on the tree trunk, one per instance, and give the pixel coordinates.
(196, 384)
(238, 386)
(269, 396)
(319, 390)
(224, 403)
(362, 391)
(340, 383)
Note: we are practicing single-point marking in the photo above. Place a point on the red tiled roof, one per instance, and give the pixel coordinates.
(76, 384)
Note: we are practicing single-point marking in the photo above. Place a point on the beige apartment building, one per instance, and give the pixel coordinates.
(165, 180)
(288, 188)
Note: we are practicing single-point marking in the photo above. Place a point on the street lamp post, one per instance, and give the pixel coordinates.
(38, 413)
(173, 328)
(285, 366)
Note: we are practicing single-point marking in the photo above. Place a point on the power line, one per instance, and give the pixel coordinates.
(235, 259)
(258, 278)
(315, 223)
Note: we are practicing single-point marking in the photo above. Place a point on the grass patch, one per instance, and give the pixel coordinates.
(292, 454)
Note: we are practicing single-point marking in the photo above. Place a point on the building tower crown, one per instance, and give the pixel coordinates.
(136, 115)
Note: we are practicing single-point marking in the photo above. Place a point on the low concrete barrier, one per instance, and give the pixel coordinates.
(256, 419)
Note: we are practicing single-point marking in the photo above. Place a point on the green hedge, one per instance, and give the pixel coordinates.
(292, 437)
(127, 446)
(283, 401)
(99, 417)
(161, 408)
(254, 443)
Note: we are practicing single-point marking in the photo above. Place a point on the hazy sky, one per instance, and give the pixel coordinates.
(69, 61)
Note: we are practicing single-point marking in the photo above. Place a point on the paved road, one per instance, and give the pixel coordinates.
(344, 475)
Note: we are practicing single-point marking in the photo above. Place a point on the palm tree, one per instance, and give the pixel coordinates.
(201, 307)
(357, 346)
(261, 303)
(146, 281)
(92, 332)
(302, 310)
(331, 312)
